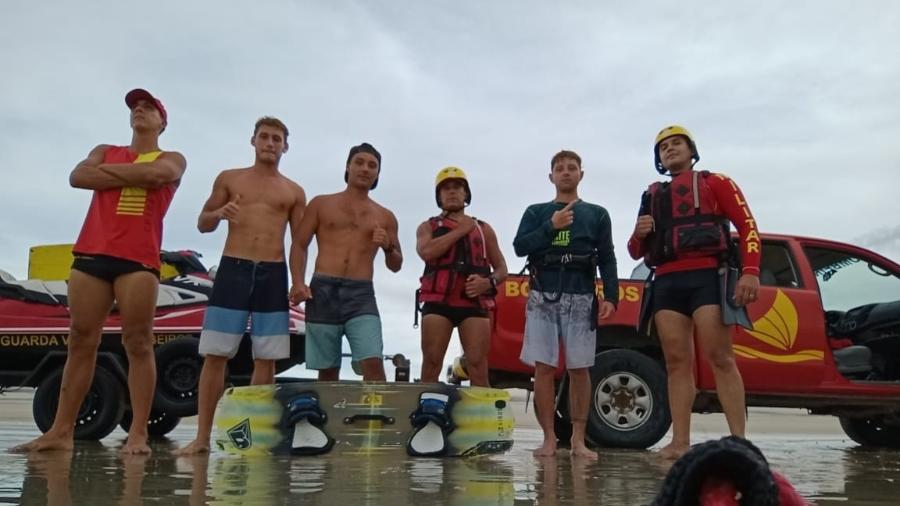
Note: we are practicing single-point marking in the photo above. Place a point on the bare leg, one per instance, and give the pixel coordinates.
(475, 336)
(136, 294)
(373, 369)
(676, 336)
(332, 374)
(263, 372)
(544, 407)
(579, 403)
(436, 332)
(212, 382)
(90, 300)
(715, 340)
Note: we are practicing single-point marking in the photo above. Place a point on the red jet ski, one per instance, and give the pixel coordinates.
(34, 326)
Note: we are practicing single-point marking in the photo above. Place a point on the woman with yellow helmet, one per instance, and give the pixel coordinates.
(463, 266)
(683, 232)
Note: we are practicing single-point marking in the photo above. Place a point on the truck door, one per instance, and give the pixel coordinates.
(785, 350)
(860, 305)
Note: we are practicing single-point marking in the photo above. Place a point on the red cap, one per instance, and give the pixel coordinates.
(137, 94)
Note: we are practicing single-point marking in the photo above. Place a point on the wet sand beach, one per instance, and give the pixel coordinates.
(824, 465)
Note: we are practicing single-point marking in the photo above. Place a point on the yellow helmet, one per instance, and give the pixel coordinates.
(448, 173)
(671, 131)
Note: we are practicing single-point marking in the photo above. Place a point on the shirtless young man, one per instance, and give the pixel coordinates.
(258, 202)
(350, 228)
(117, 259)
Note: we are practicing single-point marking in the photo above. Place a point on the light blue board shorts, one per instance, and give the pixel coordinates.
(566, 322)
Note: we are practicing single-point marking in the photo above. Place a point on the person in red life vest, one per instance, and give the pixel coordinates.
(251, 285)
(566, 240)
(117, 260)
(683, 232)
(463, 266)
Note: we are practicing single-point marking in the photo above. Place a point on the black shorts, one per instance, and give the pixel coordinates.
(685, 291)
(108, 268)
(338, 300)
(456, 315)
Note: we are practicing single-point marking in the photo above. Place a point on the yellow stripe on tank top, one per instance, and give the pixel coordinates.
(133, 200)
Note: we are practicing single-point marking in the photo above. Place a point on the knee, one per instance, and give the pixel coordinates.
(431, 360)
(677, 363)
(138, 344)
(83, 339)
(722, 360)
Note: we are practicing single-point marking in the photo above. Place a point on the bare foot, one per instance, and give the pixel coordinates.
(196, 447)
(548, 449)
(135, 445)
(47, 442)
(673, 451)
(581, 451)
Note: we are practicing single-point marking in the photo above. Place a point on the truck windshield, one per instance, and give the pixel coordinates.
(847, 281)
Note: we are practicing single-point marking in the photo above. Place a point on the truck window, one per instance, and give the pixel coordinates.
(847, 281)
(776, 268)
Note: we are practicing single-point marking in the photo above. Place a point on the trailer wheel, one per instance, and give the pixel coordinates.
(873, 432)
(629, 401)
(178, 367)
(159, 424)
(99, 413)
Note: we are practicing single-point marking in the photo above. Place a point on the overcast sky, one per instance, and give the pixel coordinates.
(797, 101)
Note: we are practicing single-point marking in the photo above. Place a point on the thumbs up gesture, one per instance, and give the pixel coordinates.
(564, 217)
(380, 237)
(230, 210)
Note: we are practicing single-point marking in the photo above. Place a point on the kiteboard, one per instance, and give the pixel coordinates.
(314, 418)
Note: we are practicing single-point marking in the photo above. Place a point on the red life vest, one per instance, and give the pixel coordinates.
(445, 277)
(126, 222)
(687, 220)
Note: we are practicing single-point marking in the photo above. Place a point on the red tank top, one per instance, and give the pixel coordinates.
(126, 222)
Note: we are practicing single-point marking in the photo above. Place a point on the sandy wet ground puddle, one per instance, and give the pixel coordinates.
(823, 464)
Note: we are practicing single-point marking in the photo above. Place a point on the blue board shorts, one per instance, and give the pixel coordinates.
(566, 323)
(246, 290)
(341, 307)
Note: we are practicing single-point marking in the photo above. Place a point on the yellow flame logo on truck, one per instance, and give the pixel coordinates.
(778, 329)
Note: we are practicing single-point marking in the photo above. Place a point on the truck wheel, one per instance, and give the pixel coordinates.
(178, 366)
(629, 405)
(99, 413)
(159, 424)
(871, 431)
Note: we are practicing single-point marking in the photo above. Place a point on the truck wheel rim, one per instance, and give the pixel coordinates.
(623, 401)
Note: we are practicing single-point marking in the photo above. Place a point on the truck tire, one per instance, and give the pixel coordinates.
(871, 431)
(178, 367)
(159, 424)
(99, 413)
(629, 402)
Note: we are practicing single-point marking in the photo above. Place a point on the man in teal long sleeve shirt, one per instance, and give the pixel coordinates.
(566, 241)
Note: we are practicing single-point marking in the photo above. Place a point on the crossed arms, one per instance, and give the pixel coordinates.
(92, 174)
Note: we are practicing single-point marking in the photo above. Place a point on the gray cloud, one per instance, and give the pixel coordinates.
(796, 101)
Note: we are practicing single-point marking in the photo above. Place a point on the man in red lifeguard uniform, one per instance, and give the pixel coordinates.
(117, 260)
(683, 231)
